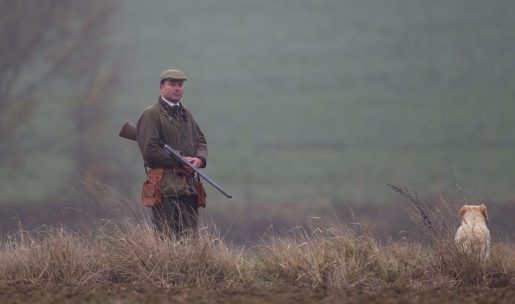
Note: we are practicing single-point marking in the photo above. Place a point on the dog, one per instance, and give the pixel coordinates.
(473, 235)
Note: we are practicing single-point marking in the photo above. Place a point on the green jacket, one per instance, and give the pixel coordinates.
(180, 131)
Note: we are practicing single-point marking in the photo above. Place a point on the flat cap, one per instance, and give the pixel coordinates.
(174, 75)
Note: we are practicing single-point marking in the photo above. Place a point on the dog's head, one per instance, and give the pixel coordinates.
(480, 210)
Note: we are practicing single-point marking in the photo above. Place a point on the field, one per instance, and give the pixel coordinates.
(310, 108)
(337, 267)
(301, 99)
(139, 294)
(128, 262)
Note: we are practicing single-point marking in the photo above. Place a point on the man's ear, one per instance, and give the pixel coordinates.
(482, 207)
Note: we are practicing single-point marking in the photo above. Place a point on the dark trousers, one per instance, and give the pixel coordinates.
(177, 217)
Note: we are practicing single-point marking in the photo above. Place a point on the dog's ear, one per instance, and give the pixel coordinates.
(463, 210)
(482, 208)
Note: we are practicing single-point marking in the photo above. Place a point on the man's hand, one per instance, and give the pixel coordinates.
(196, 162)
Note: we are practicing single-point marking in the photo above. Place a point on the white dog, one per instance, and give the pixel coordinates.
(473, 234)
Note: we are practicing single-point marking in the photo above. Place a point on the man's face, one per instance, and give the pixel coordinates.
(172, 90)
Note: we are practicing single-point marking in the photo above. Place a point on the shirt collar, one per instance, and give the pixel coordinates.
(171, 104)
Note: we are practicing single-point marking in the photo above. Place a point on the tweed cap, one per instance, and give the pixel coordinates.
(174, 75)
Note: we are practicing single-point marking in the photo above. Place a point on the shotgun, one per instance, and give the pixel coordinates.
(129, 131)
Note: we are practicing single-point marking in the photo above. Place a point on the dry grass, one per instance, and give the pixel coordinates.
(439, 223)
(117, 254)
(330, 257)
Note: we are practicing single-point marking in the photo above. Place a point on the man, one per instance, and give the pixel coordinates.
(168, 121)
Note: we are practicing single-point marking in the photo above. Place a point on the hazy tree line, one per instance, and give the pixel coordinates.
(56, 51)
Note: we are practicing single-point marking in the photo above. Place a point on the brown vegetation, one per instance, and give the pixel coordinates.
(128, 253)
(333, 257)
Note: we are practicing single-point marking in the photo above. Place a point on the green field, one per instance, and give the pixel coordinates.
(309, 100)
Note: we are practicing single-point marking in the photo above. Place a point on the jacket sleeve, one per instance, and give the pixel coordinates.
(148, 141)
(201, 145)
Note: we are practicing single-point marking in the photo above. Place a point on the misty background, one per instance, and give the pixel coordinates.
(310, 108)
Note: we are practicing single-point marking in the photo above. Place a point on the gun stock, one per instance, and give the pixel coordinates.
(129, 131)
